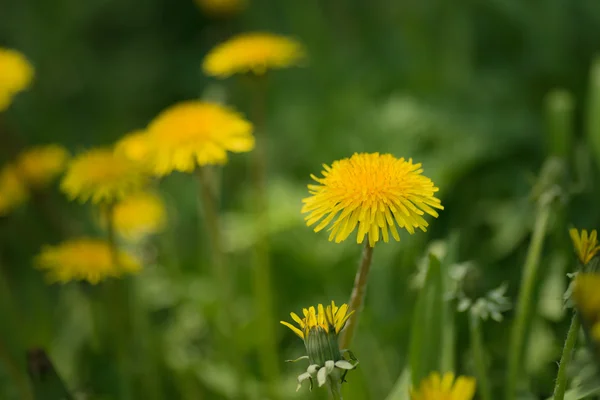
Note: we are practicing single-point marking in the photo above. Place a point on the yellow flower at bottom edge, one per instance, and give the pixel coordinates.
(16, 74)
(252, 52)
(13, 191)
(436, 387)
(102, 176)
(139, 215)
(195, 133)
(38, 166)
(85, 259)
(374, 192)
(586, 295)
(586, 246)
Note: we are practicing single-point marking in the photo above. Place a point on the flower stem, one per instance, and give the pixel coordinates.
(357, 297)
(335, 388)
(477, 349)
(526, 299)
(565, 359)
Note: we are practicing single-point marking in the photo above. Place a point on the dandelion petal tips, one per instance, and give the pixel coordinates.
(374, 193)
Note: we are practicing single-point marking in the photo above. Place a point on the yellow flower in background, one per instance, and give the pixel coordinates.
(39, 166)
(586, 294)
(252, 52)
(586, 246)
(101, 175)
(13, 191)
(16, 74)
(196, 133)
(436, 387)
(221, 8)
(330, 319)
(134, 146)
(374, 192)
(139, 215)
(84, 259)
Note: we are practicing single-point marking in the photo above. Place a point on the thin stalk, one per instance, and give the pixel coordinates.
(357, 298)
(526, 300)
(262, 269)
(483, 383)
(565, 359)
(335, 389)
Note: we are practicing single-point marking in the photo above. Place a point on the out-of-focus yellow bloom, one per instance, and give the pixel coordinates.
(436, 387)
(38, 166)
(586, 246)
(221, 8)
(134, 146)
(196, 133)
(330, 319)
(13, 191)
(85, 259)
(374, 191)
(138, 215)
(586, 294)
(102, 176)
(16, 74)
(252, 52)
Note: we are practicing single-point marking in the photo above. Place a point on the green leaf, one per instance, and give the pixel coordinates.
(401, 389)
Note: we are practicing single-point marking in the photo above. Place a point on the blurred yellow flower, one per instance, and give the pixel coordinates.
(86, 259)
(252, 52)
(330, 319)
(16, 74)
(102, 176)
(134, 146)
(196, 133)
(138, 215)
(221, 8)
(586, 295)
(13, 191)
(38, 166)
(586, 246)
(374, 191)
(436, 387)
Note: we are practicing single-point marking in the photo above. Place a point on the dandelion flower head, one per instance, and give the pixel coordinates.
(13, 191)
(196, 133)
(330, 319)
(586, 246)
(373, 191)
(221, 8)
(436, 387)
(39, 166)
(16, 74)
(101, 175)
(138, 215)
(84, 259)
(134, 146)
(252, 52)
(587, 299)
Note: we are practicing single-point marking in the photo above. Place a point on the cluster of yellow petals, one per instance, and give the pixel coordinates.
(102, 175)
(195, 133)
(254, 52)
(85, 259)
(586, 294)
(586, 246)
(134, 146)
(436, 387)
(13, 191)
(139, 215)
(221, 8)
(374, 192)
(330, 318)
(16, 74)
(39, 166)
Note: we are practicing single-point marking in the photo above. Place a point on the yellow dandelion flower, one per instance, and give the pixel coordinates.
(587, 299)
(374, 191)
(38, 166)
(134, 146)
(138, 215)
(196, 133)
(84, 259)
(436, 387)
(16, 74)
(330, 319)
(586, 246)
(102, 176)
(252, 52)
(221, 8)
(13, 191)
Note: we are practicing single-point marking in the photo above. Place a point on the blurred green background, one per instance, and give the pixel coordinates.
(459, 85)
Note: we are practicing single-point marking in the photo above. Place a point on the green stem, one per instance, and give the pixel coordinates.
(483, 384)
(526, 300)
(565, 359)
(357, 298)
(335, 389)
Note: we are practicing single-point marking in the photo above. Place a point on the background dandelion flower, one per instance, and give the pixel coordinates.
(16, 74)
(587, 299)
(102, 176)
(39, 166)
(436, 387)
(134, 146)
(374, 192)
(13, 191)
(84, 259)
(138, 215)
(196, 133)
(252, 52)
